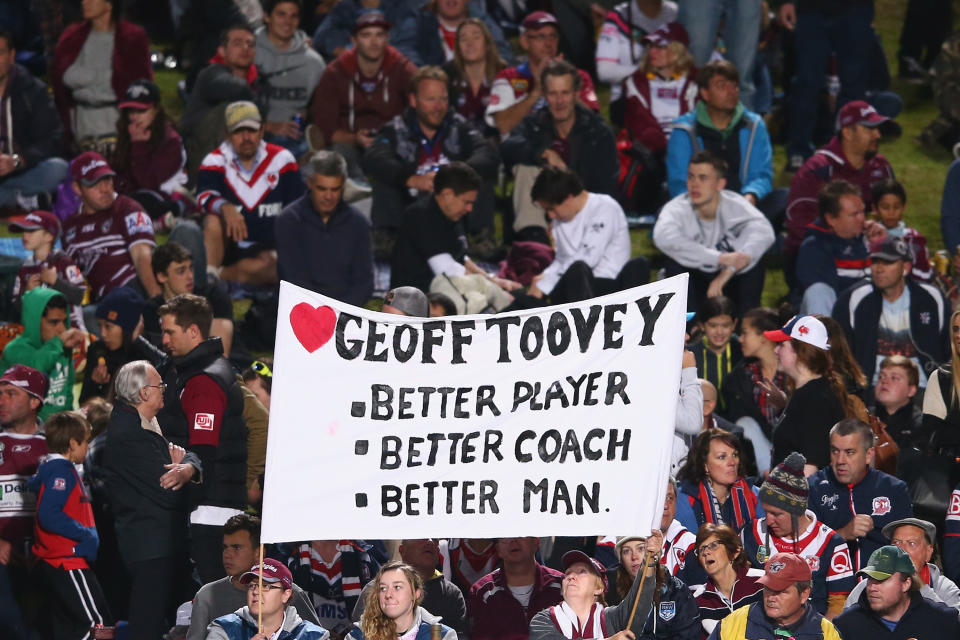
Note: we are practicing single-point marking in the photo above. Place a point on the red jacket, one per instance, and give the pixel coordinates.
(826, 164)
(132, 64)
(64, 532)
(339, 102)
(497, 615)
(637, 117)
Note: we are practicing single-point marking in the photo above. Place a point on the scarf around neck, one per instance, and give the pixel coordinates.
(566, 620)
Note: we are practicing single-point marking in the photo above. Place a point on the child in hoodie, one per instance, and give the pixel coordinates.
(889, 203)
(46, 344)
(65, 535)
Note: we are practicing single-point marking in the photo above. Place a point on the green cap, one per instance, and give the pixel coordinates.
(886, 561)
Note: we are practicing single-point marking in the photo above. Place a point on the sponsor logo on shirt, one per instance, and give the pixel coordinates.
(881, 506)
(839, 562)
(19, 448)
(668, 610)
(203, 422)
(830, 501)
(138, 222)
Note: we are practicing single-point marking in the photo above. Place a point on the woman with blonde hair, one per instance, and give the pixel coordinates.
(393, 610)
(475, 63)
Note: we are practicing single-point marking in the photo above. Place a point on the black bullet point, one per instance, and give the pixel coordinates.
(357, 409)
(361, 447)
(361, 499)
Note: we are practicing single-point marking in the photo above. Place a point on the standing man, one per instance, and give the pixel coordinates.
(323, 244)
(852, 497)
(716, 235)
(242, 186)
(893, 314)
(111, 238)
(207, 420)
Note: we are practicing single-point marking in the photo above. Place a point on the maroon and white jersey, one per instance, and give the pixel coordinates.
(100, 243)
(19, 458)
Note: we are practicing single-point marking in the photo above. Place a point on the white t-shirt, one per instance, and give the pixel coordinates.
(522, 594)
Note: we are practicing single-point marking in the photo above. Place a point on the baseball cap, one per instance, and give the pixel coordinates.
(890, 250)
(141, 94)
(242, 114)
(89, 168)
(803, 328)
(538, 20)
(370, 18)
(859, 112)
(667, 33)
(783, 569)
(27, 378)
(572, 557)
(410, 300)
(886, 561)
(273, 571)
(36, 220)
(928, 528)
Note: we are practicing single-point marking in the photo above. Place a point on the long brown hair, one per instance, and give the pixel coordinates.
(492, 64)
(694, 470)
(818, 362)
(158, 133)
(843, 361)
(374, 622)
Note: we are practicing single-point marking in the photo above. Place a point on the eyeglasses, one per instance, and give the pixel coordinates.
(261, 369)
(253, 586)
(707, 547)
(162, 386)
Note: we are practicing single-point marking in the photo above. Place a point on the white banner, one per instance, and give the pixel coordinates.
(557, 421)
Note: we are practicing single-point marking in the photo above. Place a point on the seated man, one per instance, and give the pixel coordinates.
(173, 266)
(291, 67)
(897, 386)
(892, 314)
(591, 239)
(834, 256)
(851, 497)
(323, 244)
(32, 134)
(111, 238)
(241, 538)
(716, 235)
(565, 134)
(242, 186)
(403, 161)
(269, 612)
(516, 91)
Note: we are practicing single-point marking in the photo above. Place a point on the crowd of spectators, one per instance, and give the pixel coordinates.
(456, 158)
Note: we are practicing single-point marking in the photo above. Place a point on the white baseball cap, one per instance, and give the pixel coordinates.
(803, 328)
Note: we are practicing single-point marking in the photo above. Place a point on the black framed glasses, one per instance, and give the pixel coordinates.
(707, 547)
(261, 369)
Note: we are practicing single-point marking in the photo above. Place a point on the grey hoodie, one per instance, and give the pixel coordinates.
(291, 74)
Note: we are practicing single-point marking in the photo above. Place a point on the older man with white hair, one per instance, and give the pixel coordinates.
(144, 474)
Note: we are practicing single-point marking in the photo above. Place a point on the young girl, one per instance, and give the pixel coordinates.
(718, 351)
(744, 392)
(889, 203)
(393, 610)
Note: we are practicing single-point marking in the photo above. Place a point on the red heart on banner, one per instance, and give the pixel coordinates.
(312, 326)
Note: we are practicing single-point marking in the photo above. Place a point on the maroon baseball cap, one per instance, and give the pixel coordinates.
(273, 571)
(538, 20)
(89, 168)
(859, 112)
(783, 569)
(667, 33)
(572, 557)
(371, 18)
(36, 220)
(27, 378)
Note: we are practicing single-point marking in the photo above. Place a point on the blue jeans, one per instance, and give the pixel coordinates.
(44, 177)
(741, 30)
(817, 35)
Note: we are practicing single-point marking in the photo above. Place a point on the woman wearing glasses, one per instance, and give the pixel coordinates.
(145, 475)
(731, 584)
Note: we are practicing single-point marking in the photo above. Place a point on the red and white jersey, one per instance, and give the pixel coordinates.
(512, 85)
(99, 243)
(20, 456)
(678, 546)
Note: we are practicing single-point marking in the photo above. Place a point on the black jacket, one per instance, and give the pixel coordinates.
(593, 149)
(738, 397)
(34, 121)
(858, 310)
(151, 522)
(905, 425)
(923, 619)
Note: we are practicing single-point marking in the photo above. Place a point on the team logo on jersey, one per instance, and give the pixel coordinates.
(106, 226)
(272, 179)
(813, 562)
(60, 484)
(924, 317)
(668, 610)
(840, 562)
(681, 557)
(138, 222)
(203, 422)
(881, 506)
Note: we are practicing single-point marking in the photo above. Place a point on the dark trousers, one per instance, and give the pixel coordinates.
(744, 288)
(11, 622)
(75, 600)
(578, 282)
(157, 587)
(925, 27)
(848, 34)
(206, 551)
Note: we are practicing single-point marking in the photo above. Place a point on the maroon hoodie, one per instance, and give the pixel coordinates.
(340, 102)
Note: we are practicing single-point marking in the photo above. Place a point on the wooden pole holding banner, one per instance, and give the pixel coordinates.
(636, 599)
(260, 593)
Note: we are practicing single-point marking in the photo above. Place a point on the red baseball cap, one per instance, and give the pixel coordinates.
(859, 112)
(89, 168)
(273, 571)
(371, 18)
(26, 378)
(572, 557)
(783, 569)
(36, 220)
(667, 33)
